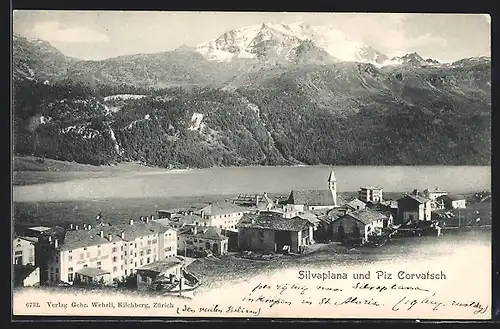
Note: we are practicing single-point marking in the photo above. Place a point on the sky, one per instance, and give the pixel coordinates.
(97, 35)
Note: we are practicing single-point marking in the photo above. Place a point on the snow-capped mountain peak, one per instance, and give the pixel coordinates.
(259, 41)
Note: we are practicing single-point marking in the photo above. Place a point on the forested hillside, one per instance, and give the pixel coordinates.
(180, 115)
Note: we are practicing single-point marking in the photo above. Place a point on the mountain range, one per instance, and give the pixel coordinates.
(267, 94)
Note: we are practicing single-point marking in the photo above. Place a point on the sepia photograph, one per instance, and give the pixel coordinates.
(276, 165)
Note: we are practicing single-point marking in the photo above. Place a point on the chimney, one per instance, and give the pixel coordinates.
(131, 222)
(195, 230)
(142, 218)
(76, 227)
(56, 243)
(147, 219)
(122, 235)
(89, 227)
(101, 234)
(110, 237)
(70, 226)
(152, 217)
(50, 238)
(191, 213)
(84, 226)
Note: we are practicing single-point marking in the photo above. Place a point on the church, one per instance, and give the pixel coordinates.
(307, 200)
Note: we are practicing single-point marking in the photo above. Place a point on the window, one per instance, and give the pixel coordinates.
(135, 254)
(142, 253)
(98, 267)
(70, 269)
(85, 248)
(114, 269)
(121, 248)
(149, 242)
(121, 257)
(99, 263)
(168, 249)
(85, 265)
(18, 246)
(149, 260)
(70, 258)
(148, 251)
(57, 271)
(135, 264)
(125, 272)
(70, 251)
(114, 249)
(154, 241)
(121, 267)
(141, 261)
(114, 259)
(70, 277)
(88, 254)
(125, 262)
(99, 246)
(135, 245)
(19, 252)
(125, 253)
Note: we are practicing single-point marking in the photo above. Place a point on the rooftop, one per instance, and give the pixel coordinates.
(222, 208)
(21, 272)
(453, 197)
(366, 216)
(312, 218)
(355, 203)
(39, 228)
(210, 233)
(273, 221)
(74, 239)
(311, 197)
(91, 271)
(418, 198)
(161, 265)
(370, 188)
(29, 239)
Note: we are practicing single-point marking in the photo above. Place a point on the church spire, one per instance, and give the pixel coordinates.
(332, 186)
(331, 177)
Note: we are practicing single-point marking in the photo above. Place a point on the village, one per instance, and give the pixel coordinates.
(153, 252)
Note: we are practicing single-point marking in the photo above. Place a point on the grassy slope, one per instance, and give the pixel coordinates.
(27, 170)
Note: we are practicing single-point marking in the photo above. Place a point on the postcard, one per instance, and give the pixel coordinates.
(251, 165)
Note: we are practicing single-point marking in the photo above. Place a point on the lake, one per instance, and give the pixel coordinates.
(217, 181)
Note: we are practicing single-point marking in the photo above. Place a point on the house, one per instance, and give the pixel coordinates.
(167, 271)
(306, 200)
(196, 241)
(26, 275)
(434, 194)
(356, 204)
(254, 201)
(452, 201)
(224, 215)
(270, 232)
(370, 194)
(359, 224)
(413, 208)
(92, 275)
(23, 250)
(118, 249)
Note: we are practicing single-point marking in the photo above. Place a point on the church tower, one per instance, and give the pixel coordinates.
(332, 186)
